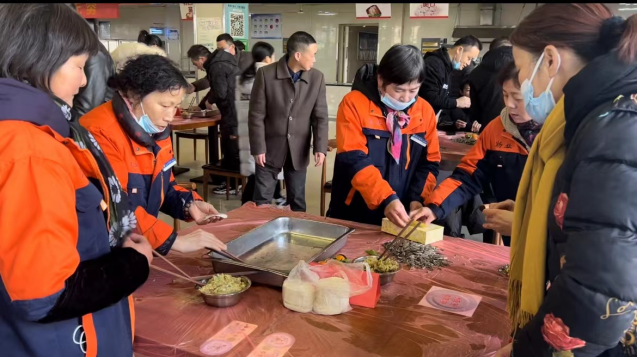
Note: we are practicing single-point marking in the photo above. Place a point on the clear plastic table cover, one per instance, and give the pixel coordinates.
(172, 319)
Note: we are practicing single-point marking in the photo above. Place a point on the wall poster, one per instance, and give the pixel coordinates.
(373, 11)
(236, 20)
(266, 26)
(428, 11)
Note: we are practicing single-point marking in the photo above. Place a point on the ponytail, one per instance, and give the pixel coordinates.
(143, 34)
(249, 72)
(627, 47)
(150, 40)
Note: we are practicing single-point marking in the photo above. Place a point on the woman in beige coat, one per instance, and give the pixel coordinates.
(146, 44)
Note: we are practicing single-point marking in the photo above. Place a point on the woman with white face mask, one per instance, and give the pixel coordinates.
(572, 278)
(387, 144)
(133, 131)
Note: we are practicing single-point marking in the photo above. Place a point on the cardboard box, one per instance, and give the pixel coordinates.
(425, 234)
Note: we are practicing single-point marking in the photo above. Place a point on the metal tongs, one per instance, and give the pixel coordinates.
(399, 237)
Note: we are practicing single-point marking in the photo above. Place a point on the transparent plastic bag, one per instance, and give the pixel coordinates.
(325, 289)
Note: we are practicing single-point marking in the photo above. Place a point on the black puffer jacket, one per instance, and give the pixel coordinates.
(221, 71)
(435, 88)
(593, 229)
(98, 69)
(486, 93)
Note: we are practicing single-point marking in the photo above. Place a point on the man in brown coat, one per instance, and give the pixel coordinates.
(288, 102)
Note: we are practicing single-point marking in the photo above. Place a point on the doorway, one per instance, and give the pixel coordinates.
(358, 46)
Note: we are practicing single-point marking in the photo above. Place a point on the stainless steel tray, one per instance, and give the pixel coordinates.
(277, 246)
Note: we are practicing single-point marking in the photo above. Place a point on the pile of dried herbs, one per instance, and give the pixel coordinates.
(417, 255)
(505, 270)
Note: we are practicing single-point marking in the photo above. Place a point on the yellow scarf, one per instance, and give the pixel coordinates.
(530, 229)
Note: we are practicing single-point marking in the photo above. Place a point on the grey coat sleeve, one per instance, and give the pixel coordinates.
(319, 120)
(201, 84)
(256, 115)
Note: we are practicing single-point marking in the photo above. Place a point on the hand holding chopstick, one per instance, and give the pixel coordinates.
(183, 276)
(399, 236)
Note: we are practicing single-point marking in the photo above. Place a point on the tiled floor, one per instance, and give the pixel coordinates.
(312, 187)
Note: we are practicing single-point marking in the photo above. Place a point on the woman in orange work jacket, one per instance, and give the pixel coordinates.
(133, 131)
(387, 144)
(68, 259)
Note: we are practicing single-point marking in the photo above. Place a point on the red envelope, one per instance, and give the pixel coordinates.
(371, 297)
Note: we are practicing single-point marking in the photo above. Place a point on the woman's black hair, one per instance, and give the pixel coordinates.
(39, 38)
(402, 64)
(509, 73)
(150, 40)
(147, 74)
(260, 51)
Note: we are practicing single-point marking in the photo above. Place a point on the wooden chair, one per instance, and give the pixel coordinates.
(209, 170)
(194, 135)
(326, 186)
(189, 186)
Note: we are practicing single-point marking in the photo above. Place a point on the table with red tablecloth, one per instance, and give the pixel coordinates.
(172, 320)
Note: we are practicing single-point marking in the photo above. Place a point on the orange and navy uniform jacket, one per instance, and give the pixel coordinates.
(143, 165)
(366, 176)
(496, 159)
(59, 277)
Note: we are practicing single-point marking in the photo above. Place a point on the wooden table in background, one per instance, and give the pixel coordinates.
(211, 123)
(451, 152)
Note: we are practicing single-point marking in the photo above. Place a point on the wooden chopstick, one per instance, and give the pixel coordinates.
(227, 254)
(399, 237)
(170, 263)
(176, 275)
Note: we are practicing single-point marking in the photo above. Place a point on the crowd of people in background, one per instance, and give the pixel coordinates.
(86, 158)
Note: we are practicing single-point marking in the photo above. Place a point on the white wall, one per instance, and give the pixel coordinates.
(134, 18)
(399, 29)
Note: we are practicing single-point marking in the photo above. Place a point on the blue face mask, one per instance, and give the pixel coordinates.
(456, 64)
(539, 107)
(395, 104)
(147, 124)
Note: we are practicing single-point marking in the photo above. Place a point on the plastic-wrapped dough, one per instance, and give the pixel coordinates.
(298, 295)
(332, 296)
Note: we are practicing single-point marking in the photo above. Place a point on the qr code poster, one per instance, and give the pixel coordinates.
(237, 25)
(236, 20)
(266, 26)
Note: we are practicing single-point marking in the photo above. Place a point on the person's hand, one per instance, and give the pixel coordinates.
(425, 215)
(190, 89)
(508, 205)
(463, 102)
(208, 106)
(476, 127)
(319, 158)
(414, 206)
(499, 220)
(197, 242)
(259, 160)
(505, 351)
(460, 124)
(199, 210)
(140, 244)
(395, 212)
